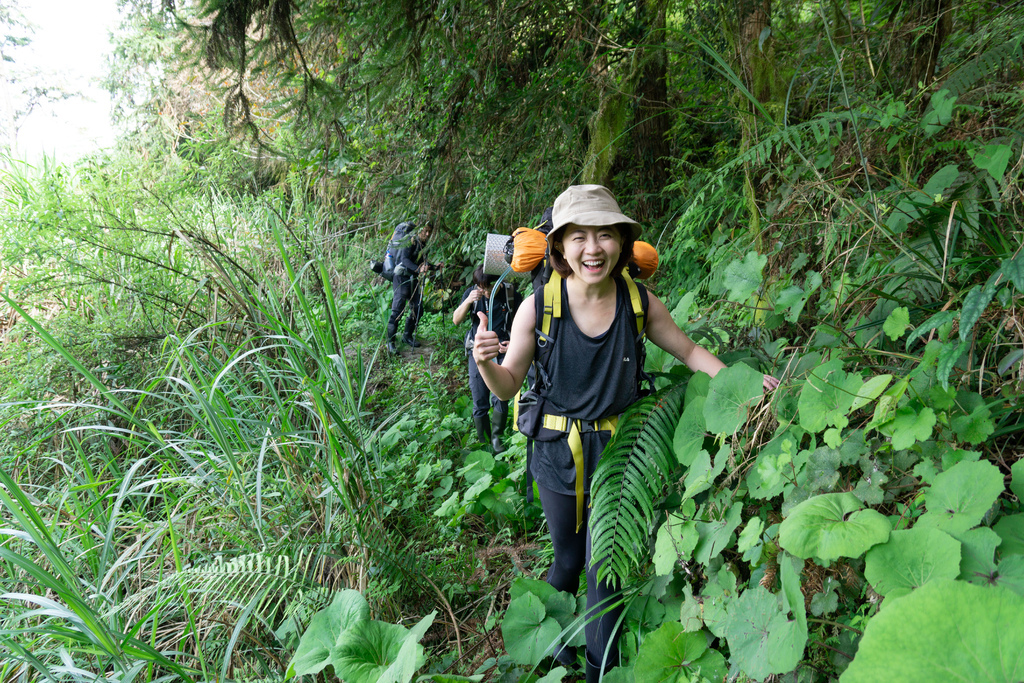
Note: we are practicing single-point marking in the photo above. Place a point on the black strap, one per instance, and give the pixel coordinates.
(529, 474)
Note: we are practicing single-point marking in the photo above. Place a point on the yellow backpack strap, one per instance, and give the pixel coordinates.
(552, 302)
(515, 412)
(636, 303)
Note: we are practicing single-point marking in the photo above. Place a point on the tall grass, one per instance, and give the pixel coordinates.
(192, 526)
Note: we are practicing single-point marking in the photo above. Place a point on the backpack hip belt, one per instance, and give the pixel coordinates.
(561, 423)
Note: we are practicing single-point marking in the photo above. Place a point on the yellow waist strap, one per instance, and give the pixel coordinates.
(561, 423)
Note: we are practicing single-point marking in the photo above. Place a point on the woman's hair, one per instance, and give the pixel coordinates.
(561, 266)
(481, 279)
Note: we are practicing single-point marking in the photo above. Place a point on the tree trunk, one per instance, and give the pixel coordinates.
(756, 55)
(628, 133)
(925, 27)
(649, 134)
(756, 59)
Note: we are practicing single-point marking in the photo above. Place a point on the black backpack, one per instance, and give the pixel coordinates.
(400, 238)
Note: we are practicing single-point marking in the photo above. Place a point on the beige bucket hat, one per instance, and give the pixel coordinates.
(588, 205)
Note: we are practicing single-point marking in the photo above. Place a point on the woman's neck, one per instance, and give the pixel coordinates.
(592, 306)
(587, 292)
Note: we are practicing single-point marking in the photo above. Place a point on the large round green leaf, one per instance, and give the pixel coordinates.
(669, 655)
(368, 649)
(912, 558)
(1010, 574)
(960, 496)
(561, 606)
(716, 535)
(831, 526)
(762, 640)
(977, 554)
(827, 396)
(674, 543)
(730, 395)
(688, 440)
(314, 650)
(410, 656)
(523, 585)
(527, 630)
(1011, 532)
(742, 278)
(944, 631)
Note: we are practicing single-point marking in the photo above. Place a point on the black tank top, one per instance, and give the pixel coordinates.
(591, 378)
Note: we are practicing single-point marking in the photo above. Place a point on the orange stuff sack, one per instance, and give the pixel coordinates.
(529, 247)
(645, 257)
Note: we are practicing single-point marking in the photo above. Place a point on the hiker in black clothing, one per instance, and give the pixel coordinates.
(592, 372)
(409, 264)
(475, 300)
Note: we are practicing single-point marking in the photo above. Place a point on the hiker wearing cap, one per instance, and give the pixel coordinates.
(591, 371)
(409, 264)
(475, 300)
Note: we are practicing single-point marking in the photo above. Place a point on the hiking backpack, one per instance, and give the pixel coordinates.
(400, 238)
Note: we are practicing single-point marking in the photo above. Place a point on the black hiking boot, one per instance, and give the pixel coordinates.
(390, 335)
(483, 428)
(565, 656)
(594, 670)
(497, 430)
(411, 342)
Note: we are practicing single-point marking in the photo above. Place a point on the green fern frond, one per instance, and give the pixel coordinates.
(803, 138)
(949, 146)
(983, 66)
(633, 473)
(276, 581)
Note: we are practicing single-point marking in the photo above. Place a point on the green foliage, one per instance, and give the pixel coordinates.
(357, 648)
(938, 632)
(633, 471)
(313, 653)
(743, 278)
(827, 397)
(959, 497)
(670, 655)
(730, 394)
(831, 526)
(910, 559)
(197, 338)
(762, 640)
(528, 631)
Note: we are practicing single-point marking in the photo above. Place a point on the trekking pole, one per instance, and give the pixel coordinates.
(494, 295)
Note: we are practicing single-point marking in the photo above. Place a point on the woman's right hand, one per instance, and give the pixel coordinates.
(466, 306)
(486, 345)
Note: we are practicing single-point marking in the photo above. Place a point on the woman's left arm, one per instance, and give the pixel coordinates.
(664, 332)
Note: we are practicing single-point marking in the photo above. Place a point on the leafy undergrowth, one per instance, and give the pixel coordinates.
(212, 471)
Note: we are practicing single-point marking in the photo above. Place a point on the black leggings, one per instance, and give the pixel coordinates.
(406, 290)
(572, 555)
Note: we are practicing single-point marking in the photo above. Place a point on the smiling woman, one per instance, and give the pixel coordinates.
(589, 373)
(57, 107)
